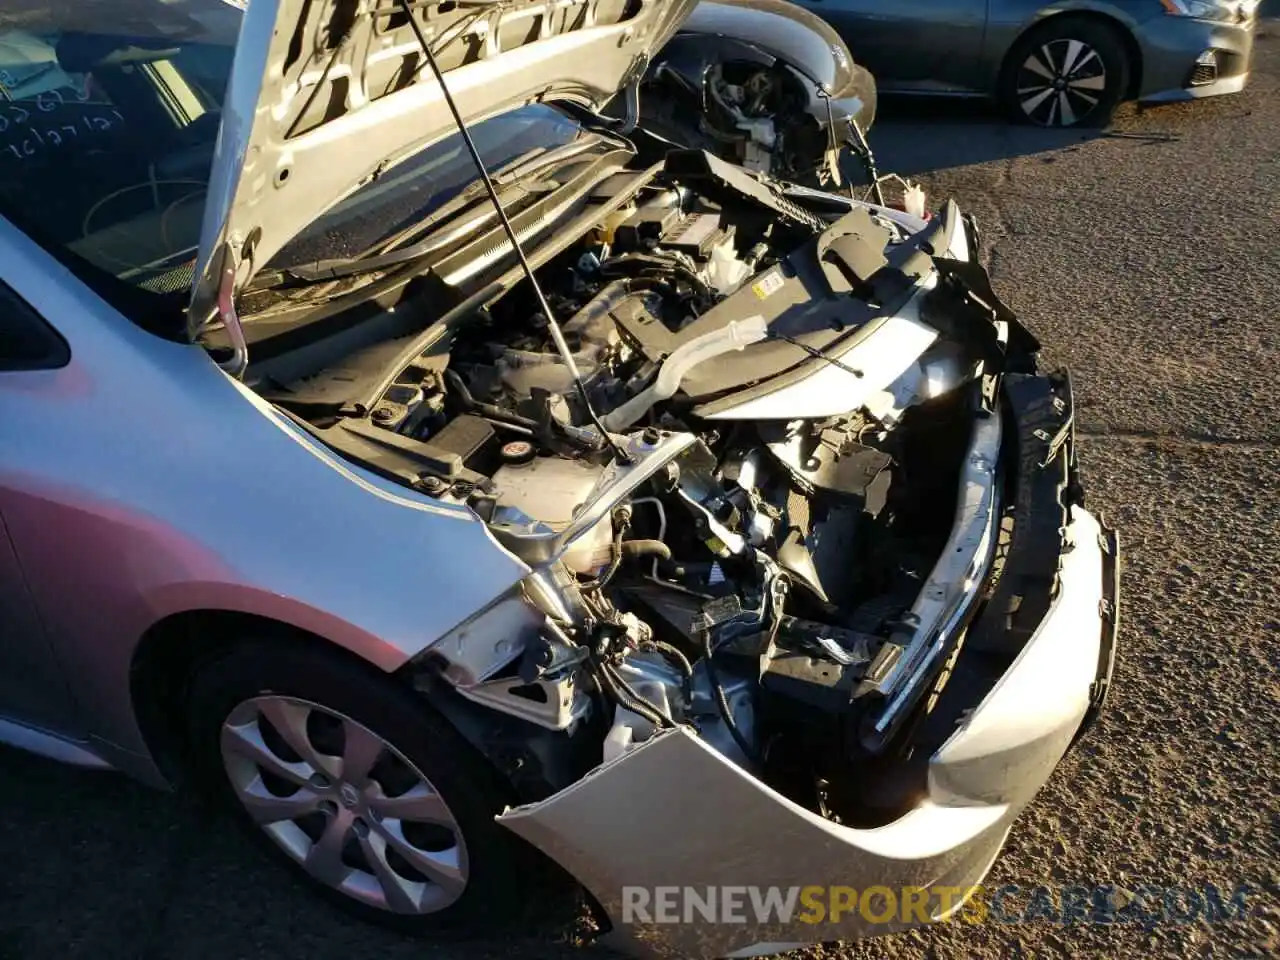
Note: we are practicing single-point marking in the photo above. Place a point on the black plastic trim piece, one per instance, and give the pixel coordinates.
(716, 176)
(1040, 409)
(27, 341)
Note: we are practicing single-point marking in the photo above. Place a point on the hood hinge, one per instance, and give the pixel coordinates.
(224, 266)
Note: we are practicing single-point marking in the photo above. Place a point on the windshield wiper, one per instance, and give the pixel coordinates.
(394, 254)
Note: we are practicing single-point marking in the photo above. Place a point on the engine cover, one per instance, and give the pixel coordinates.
(811, 302)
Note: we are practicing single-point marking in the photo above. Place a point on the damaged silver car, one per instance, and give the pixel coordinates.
(472, 500)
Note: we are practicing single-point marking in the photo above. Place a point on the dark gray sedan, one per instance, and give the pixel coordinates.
(1062, 63)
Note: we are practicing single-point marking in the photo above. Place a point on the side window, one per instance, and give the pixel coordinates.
(26, 341)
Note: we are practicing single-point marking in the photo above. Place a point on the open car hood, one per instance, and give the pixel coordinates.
(327, 94)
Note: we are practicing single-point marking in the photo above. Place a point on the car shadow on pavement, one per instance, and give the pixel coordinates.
(98, 866)
(916, 135)
(919, 135)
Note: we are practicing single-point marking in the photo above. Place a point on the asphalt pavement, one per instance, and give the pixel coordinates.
(1146, 257)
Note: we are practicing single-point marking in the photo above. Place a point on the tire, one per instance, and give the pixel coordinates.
(1067, 72)
(256, 708)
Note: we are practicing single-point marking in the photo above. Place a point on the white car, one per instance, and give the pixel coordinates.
(694, 531)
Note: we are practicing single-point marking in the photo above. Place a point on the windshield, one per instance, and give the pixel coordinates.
(107, 134)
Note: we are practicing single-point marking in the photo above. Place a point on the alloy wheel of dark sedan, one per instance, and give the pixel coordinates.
(1061, 82)
(1069, 71)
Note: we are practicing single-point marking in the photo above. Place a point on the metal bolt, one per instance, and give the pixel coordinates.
(432, 486)
(384, 414)
(319, 781)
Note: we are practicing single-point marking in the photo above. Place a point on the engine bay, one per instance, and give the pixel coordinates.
(748, 576)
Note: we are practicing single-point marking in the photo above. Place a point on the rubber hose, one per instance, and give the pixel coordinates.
(632, 549)
(459, 386)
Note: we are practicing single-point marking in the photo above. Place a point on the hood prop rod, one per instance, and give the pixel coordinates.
(620, 455)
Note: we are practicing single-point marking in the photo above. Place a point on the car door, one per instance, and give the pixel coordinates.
(918, 45)
(32, 686)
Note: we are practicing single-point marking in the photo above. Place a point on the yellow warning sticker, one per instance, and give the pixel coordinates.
(770, 283)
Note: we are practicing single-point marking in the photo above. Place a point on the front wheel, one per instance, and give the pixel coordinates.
(1067, 72)
(358, 786)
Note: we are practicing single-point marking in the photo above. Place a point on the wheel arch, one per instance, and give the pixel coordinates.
(172, 650)
(1107, 18)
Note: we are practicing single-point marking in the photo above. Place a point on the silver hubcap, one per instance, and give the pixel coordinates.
(1061, 83)
(344, 804)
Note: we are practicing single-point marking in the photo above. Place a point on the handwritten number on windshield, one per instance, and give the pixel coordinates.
(16, 120)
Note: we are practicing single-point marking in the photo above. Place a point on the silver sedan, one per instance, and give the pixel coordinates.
(390, 453)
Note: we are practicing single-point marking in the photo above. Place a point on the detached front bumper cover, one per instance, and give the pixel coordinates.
(673, 812)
